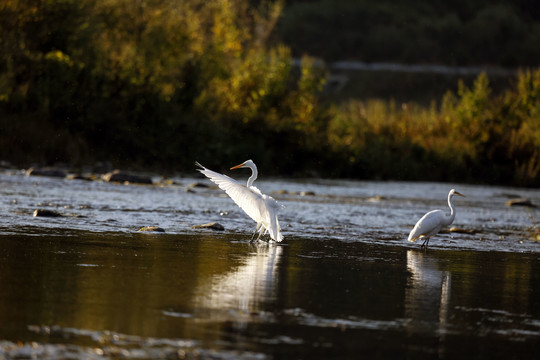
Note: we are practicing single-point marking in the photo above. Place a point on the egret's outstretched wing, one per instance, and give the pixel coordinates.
(427, 225)
(249, 200)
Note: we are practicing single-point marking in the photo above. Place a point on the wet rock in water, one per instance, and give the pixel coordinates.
(46, 172)
(198, 185)
(168, 182)
(45, 204)
(307, 193)
(46, 213)
(376, 198)
(122, 177)
(212, 226)
(151, 229)
(520, 202)
(80, 177)
(462, 231)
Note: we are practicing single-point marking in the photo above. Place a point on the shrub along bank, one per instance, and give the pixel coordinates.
(158, 85)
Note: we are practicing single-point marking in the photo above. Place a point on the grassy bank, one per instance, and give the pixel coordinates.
(470, 135)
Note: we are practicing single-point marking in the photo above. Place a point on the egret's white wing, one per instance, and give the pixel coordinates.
(273, 223)
(428, 225)
(249, 200)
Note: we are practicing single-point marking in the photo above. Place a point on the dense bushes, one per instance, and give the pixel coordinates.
(473, 135)
(160, 84)
(153, 83)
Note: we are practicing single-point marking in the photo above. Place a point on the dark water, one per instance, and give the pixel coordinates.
(344, 284)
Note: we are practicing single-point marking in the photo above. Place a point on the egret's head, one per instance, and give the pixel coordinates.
(246, 164)
(454, 192)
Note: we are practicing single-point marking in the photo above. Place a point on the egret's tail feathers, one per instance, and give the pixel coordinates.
(274, 230)
(276, 237)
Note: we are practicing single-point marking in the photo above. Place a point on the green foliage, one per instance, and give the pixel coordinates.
(473, 136)
(150, 82)
(160, 83)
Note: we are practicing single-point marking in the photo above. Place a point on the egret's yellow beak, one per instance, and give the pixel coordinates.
(237, 166)
(458, 193)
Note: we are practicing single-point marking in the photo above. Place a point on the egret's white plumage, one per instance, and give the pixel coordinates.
(431, 223)
(261, 208)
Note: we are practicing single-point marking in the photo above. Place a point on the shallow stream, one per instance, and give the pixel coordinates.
(344, 283)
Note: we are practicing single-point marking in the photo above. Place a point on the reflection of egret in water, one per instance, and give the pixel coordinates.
(239, 294)
(427, 296)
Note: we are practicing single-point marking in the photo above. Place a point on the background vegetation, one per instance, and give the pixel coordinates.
(158, 84)
(452, 32)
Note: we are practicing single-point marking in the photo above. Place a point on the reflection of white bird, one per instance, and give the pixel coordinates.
(261, 208)
(234, 295)
(431, 223)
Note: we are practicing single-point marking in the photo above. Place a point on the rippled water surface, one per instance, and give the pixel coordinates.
(343, 284)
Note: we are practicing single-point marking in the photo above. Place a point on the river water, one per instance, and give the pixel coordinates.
(344, 283)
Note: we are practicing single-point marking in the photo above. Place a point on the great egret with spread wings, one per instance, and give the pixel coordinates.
(431, 223)
(261, 208)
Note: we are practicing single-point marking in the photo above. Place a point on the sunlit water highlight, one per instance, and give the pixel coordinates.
(344, 282)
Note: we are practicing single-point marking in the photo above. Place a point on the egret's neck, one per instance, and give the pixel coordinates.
(451, 217)
(253, 176)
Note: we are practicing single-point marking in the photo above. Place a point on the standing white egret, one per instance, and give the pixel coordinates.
(261, 208)
(431, 223)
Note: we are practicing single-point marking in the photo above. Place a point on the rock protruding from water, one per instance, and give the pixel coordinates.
(52, 172)
(191, 187)
(212, 226)
(122, 177)
(520, 202)
(198, 184)
(458, 230)
(151, 229)
(46, 213)
(376, 198)
(78, 176)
